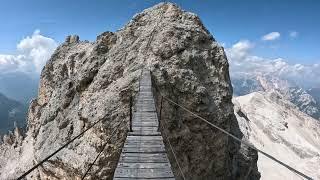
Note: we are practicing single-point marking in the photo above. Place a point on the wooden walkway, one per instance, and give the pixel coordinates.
(143, 155)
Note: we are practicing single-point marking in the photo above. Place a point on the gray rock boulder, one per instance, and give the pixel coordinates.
(72, 39)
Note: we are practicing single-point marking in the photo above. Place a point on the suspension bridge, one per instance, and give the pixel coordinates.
(144, 155)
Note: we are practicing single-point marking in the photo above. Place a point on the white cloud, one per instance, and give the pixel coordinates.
(240, 50)
(293, 34)
(32, 54)
(244, 63)
(271, 36)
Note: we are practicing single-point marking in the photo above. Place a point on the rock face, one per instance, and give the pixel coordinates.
(84, 82)
(276, 126)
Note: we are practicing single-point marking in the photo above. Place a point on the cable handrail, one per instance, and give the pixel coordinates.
(174, 154)
(233, 136)
(241, 141)
(55, 152)
(103, 147)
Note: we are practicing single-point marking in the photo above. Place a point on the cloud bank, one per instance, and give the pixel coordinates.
(31, 55)
(271, 36)
(244, 63)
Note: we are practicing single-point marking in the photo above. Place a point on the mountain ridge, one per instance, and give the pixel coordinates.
(306, 100)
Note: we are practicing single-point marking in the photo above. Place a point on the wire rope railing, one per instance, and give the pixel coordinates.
(173, 152)
(102, 149)
(69, 142)
(229, 134)
(55, 152)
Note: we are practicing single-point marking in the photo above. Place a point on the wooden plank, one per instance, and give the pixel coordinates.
(144, 154)
(134, 145)
(139, 128)
(144, 133)
(145, 165)
(143, 149)
(146, 114)
(146, 109)
(143, 158)
(146, 126)
(143, 173)
(142, 144)
(145, 138)
(145, 123)
(144, 119)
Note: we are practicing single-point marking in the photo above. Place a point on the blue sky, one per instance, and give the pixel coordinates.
(228, 20)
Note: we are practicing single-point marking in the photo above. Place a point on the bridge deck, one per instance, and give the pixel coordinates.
(143, 155)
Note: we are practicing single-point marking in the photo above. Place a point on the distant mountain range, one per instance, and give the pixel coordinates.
(16, 91)
(315, 93)
(276, 126)
(307, 100)
(19, 86)
(11, 112)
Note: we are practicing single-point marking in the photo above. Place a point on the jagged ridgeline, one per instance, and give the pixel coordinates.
(87, 81)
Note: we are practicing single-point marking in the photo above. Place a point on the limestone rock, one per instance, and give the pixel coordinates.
(72, 39)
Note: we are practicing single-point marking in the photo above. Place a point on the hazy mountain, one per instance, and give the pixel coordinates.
(275, 125)
(315, 93)
(11, 111)
(244, 85)
(19, 86)
(307, 101)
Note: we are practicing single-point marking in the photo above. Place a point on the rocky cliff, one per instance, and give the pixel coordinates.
(84, 82)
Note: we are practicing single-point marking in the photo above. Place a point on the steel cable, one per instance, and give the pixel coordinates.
(103, 147)
(241, 141)
(62, 147)
(174, 154)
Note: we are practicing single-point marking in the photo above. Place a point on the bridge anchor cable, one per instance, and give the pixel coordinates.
(238, 139)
